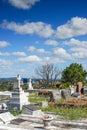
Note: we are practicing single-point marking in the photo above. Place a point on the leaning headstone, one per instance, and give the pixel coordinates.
(65, 93)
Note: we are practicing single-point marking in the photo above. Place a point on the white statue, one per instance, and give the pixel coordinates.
(72, 88)
(30, 87)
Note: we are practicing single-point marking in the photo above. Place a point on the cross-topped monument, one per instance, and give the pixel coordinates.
(19, 97)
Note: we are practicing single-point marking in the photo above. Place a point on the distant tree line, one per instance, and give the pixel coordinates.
(6, 85)
(48, 75)
(70, 75)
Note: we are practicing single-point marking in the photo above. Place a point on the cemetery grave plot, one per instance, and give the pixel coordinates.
(73, 102)
(54, 98)
(69, 102)
(65, 99)
(17, 121)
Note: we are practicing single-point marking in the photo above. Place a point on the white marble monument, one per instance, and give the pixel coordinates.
(19, 97)
(30, 87)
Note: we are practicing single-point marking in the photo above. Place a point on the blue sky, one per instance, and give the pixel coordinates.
(37, 32)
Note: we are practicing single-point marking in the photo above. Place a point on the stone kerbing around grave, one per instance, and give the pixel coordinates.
(69, 124)
(31, 109)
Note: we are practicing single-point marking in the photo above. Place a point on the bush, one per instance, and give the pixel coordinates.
(65, 85)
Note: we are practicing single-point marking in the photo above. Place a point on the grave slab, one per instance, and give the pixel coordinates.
(6, 117)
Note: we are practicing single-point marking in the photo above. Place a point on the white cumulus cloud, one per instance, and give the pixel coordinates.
(4, 44)
(32, 58)
(79, 55)
(76, 43)
(39, 28)
(4, 54)
(5, 63)
(31, 48)
(60, 52)
(19, 54)
(23, 4)
(41, 51)
(79, 52)
(51, 42)
(77, 48)
(75, 27)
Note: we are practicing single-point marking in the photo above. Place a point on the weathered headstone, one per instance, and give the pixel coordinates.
(65, 93)
(55, 96)
(85, 90)
(79, 87)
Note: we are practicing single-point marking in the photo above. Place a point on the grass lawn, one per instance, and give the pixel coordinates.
(68, 113)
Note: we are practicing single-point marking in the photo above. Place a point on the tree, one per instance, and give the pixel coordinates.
(74, 73)
(48, 74)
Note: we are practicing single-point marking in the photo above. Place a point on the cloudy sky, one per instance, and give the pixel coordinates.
(36, 32)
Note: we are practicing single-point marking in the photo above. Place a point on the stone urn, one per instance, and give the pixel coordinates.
(47, 121)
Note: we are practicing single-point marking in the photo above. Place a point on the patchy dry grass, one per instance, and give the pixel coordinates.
(72, 113)
(34, 98)
(68, 113)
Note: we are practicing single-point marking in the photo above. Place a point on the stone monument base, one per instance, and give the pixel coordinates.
(31, 109)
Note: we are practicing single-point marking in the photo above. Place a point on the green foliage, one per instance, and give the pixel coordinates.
(6, 86)
(16, 112)
(34, 98)
(74, 73)
(65, 85)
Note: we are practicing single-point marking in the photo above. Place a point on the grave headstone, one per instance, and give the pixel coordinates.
(79, 87)
(55, 96)
(85, 90)
(65, 93)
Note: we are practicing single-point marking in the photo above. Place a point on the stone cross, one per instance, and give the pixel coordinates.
(18, 79)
